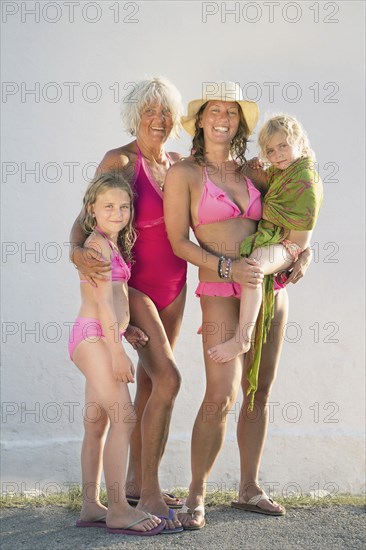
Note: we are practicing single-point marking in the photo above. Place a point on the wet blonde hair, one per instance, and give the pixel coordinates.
(98, 185)
(295, 135)
(157, 90)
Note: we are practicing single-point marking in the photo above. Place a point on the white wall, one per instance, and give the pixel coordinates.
(311, 67)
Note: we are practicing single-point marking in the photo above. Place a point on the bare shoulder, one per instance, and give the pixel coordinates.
(258, 177)
(186, 169)
(175, 157)
(99, 244)
(119, 158)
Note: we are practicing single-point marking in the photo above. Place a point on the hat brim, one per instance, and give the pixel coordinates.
(249, 109)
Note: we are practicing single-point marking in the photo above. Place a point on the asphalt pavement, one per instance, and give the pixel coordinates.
(333, 527)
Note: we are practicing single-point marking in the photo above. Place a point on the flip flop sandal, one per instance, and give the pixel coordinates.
(198, 509)
(133, 501)
(128, 531)
(95, 523)
(177, 506)
(252, 506)
(174, 529)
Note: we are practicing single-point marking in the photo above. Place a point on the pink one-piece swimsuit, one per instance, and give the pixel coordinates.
(156, 271)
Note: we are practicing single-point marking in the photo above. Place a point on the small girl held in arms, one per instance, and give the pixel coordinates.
(96, 349)
(291, 206)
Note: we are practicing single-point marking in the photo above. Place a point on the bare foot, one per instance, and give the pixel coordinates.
(192, 518)
(158, 507)
(93, 511)
(222, 353)
(129, 516)
(170, 500)
(265, 504)
(271, 506)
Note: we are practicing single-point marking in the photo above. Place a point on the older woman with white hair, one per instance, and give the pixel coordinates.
(151, 112)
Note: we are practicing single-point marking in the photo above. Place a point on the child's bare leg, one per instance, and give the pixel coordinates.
(272, 258)
(113, 399)
(240, 343)
(95, 427)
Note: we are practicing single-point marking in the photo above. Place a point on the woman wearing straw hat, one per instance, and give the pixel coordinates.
(209, 192)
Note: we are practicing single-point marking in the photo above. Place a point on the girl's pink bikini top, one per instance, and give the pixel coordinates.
(120, 270)
(216, 206)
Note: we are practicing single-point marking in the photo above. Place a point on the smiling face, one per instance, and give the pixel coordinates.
(220, 120)
(156, 124)
(112, 210)
(280, 153)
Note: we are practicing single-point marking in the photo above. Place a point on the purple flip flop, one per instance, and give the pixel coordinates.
(128, 531)
(171, 517)
(96, 523)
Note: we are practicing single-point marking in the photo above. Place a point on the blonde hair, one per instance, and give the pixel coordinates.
(295, 135)
(99, 184)
(157, 90)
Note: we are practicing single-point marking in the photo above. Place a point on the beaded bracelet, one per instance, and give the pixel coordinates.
(231, 273)
(227, 273)
(227, 268)
(219, 267)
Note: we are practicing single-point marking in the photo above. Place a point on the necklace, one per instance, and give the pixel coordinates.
(158, 169)
(158, 176)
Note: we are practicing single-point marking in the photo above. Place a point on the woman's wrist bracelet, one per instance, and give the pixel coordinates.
(219, 267)
(227, 268)
(227, 272)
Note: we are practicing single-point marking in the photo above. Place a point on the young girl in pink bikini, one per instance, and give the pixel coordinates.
(290, 209)
(157, 288)
(96, 349)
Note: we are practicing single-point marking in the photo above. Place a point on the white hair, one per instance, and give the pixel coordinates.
(156, 90)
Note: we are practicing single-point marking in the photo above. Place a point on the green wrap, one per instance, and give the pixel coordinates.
(292, 202)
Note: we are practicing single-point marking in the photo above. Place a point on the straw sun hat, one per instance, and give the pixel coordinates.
(221, 91)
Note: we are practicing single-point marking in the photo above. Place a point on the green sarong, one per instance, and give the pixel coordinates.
(293, 201)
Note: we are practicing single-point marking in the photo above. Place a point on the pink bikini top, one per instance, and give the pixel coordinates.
(216, 206)
(120, 270)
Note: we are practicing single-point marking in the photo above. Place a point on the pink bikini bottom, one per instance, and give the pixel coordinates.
(86, 328)
(224, 289)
